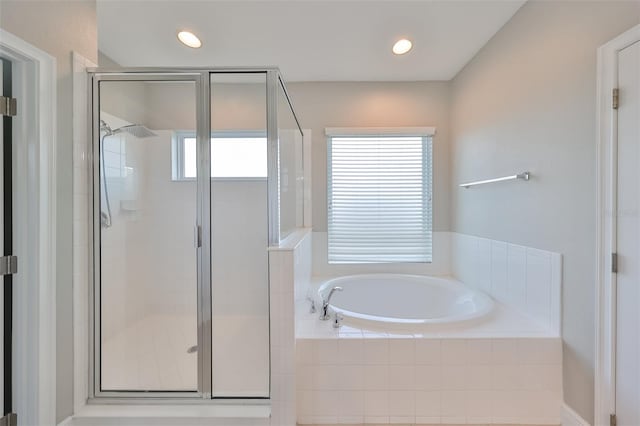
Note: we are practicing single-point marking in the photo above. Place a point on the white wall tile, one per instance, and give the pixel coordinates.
(453, 405)
(517, 276)
(304, 401)
(540, 351)
(524, 278)
(351, 405)
(538, 286)
(376, 351)
(376, 377)
(402, 404)
(541, 377)
(479, 351)
(504, 351)
(499, 280)
(466, 248)
(376, 420)
(479, 377)
(483, 381)
(321, 420)
(326, 377)
(304, 377)
(454, 351)
(428, 377)
(351, 351)
(428, 351)
(304, 351)
(454, 377)
(402, 377)
(351, 377)
(505, 377)
(401, 351)
(428, 404)
(326, 403)
(478, 406)
(483, 265)
(325, 351)
(376, 403)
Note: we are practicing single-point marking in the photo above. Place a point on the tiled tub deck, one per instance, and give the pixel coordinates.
(506, 370)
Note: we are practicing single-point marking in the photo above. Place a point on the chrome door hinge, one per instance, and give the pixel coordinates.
(8, 266)
(613, 421)
(10, 419)
(8, 106)
(616, 98)
(614, 263)
(197, 236)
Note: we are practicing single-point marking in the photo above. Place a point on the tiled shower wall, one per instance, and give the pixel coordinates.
(429, 381)
(524, 278)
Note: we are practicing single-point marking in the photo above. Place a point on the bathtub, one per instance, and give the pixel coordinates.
(404, 301)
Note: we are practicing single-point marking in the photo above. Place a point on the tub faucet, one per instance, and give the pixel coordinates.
(337, 320)
(325, 303)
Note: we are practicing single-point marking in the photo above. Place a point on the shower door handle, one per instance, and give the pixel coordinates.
(197, 236)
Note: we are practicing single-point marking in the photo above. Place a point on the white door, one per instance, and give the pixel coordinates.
(628, 240)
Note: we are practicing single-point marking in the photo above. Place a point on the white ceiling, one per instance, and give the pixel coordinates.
(310, 40)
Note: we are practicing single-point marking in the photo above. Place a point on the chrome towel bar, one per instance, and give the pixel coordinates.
(523, 176)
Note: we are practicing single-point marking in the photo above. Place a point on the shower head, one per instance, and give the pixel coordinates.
(137, 130)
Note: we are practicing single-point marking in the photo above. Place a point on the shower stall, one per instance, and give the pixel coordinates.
(196, 173)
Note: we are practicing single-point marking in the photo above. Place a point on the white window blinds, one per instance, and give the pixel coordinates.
(379, 199)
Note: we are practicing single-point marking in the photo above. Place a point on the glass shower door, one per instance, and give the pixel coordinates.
(147, 333)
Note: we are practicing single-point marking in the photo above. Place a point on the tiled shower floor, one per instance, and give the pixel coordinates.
(151, 354)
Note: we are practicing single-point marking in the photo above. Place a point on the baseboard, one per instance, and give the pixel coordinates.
(66, 422)
(570, 418)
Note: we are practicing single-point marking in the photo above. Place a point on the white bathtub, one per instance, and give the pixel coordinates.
(406, 301)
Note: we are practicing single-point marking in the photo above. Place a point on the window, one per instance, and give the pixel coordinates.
(379, 198)
(233, 155)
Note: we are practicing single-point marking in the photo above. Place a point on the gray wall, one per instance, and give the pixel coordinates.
(74, 25)
(527, 101)
(321, 105)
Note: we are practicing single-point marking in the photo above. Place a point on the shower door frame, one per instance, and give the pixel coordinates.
(202, 79)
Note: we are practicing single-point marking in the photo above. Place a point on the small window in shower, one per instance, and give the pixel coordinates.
(233, 156)
(379, 198)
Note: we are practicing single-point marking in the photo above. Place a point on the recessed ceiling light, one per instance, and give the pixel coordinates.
(402, 46)
(189, 39)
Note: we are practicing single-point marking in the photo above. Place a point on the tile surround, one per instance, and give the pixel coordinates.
(430, 381)
(505, 370)
(524, 278)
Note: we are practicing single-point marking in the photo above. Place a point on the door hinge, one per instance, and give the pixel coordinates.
(616, 98)
(614, 263)
(613, 421)
(197, 236)
(8, 106)
(10, 419)
(8, 265)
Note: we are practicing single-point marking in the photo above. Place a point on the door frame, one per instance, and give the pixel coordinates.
(34, 344)
(606, 142)
(201, 85)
